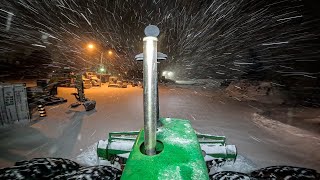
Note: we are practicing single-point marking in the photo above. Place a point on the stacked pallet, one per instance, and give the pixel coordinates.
(13, 103)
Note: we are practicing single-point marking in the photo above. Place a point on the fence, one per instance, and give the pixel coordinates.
(13, 103)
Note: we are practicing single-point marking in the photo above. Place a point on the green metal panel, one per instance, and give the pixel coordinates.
(121, 143)
(181, 157)
(102, 153)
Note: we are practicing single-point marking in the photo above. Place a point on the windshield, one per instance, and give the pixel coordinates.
(246, 70)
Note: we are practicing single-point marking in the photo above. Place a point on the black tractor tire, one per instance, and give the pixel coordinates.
(93, 172)
(285, 172)
(227, 175)
(39, 168)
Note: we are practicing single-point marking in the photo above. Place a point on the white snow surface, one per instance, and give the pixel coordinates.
(210, 83)
(213, 149)
(89, 156)
(279, 127)
(125, 155)
(102, 144)
(264, 141)
(231, 149)
(121, 145)
(241, 164)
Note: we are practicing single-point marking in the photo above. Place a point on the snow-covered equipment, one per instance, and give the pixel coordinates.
(80, 96)
(92, 76)
(166, 148)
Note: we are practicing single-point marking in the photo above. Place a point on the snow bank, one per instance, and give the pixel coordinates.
(260, 91)
(279, 127)
(210, 83)
(206, 83)
(241, 164)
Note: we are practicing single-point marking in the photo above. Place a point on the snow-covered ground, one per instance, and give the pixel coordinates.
(207, 83)
(73, 133)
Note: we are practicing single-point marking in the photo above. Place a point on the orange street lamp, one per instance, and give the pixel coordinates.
(110, 52)
(90, 46)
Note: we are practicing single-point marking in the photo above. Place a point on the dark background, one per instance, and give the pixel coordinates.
(261, 40)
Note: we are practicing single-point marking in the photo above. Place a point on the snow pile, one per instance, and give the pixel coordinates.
(206, 83)
(89, 156)
(102, 144)
(241, 164)
(210, 83)
(260, 91)
(277, 127)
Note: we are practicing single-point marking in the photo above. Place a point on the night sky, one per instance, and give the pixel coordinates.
(226, 39)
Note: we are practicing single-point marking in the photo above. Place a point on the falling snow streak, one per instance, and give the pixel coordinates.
(198, 36)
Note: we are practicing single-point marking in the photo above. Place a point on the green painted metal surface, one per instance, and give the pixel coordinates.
(102, 153)
(216, 148)
(181, 157)
(118, 143)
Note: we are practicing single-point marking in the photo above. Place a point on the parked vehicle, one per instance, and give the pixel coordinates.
(124, 84)
(133, 83)
(115, 82)
(92, 76)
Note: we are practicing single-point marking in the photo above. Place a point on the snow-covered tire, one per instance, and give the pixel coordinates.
(226, 175)
(39, 168)
(285, 172)
(92, 173)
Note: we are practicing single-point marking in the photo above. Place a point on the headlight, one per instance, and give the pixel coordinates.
(170, 74)
(164, 73)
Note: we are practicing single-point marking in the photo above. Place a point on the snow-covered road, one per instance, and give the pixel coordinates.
(72, 133)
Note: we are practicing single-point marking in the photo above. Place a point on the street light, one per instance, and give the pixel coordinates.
(109, 53)
(90, 46)
(102, 69)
